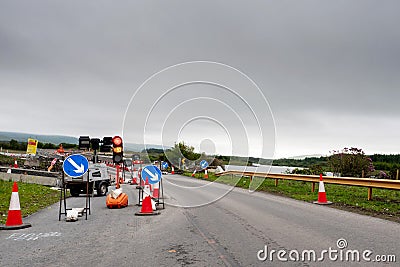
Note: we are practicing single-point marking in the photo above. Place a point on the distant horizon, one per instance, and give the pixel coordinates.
(160, 146)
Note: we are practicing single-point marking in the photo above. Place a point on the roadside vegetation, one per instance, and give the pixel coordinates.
(6, 160)
(21, 146)
(32, 198)
(384, 203)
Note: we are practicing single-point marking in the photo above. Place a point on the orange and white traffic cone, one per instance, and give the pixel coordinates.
(194, 173)
(134, 178)
(321, 193)
(147, 183)
(173, 170)
(156, 191)
(146, 190)
(147, 208)
(205, 174)
(14, 218)
(15, 163)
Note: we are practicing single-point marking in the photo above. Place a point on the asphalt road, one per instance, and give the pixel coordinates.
(202, 225)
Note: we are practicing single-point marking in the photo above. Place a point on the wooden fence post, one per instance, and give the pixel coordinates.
(369, 193)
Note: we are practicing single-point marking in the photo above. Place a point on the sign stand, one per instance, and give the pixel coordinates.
(87, 196)
(63, 193)
(141, 192)
(141, 182)
(63, 199)
(160, 199)
(153, 175)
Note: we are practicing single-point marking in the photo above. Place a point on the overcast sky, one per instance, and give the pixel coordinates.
(327, 72)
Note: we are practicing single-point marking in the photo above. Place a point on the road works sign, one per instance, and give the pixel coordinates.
(164, 165)
(32, 146)
(203, 164)
(75, 165)
(152, 174)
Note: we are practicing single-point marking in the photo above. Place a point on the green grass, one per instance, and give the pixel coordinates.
(385, 203)
(32, 198)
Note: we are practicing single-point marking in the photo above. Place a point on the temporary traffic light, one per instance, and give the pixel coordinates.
(95, 143)
(118, 152)
(107, 144)
(84, 142)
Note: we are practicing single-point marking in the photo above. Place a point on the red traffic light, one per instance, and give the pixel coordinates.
(118, 153)
(117, 141)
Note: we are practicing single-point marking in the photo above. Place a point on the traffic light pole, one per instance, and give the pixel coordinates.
(95, 156)
(117, 185)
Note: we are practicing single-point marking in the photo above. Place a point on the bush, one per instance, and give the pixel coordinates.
(351, 162)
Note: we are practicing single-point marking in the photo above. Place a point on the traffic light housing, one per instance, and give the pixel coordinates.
(84, 142)
(107, 144)
(95, 143)
(118, 152)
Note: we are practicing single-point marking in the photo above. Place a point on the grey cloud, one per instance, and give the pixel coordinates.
(317, 62)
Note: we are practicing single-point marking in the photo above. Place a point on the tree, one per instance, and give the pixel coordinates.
(182, 151)
(350, 162)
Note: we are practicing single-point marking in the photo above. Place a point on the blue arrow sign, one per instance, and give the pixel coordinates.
(203, 164)
(75, 165)
(152, 174)
(164, 165)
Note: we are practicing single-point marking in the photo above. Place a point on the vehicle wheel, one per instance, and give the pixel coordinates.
(74, 192)
(102, 190)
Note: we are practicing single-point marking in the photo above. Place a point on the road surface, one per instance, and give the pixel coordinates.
(203, 224)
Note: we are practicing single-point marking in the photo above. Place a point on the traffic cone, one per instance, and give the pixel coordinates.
(156, 191)
(146, 190)
(134, 178)
(147, 183)
(173, 170)
(14, 218)
(15, 163)
(321, 193)
(194, 173)
(147, 208)
(205, 174)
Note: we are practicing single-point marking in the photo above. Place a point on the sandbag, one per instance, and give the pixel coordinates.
(116, 203)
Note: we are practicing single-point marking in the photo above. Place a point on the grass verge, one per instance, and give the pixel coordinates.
(32, 198)
(384, 204)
